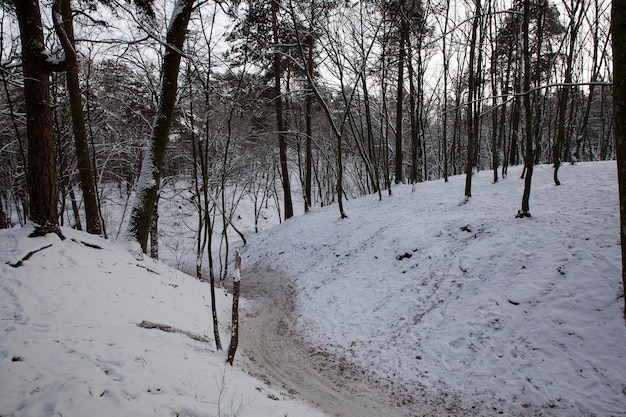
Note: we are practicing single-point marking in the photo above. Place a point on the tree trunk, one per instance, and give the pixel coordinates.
(234, 334)
(504, 85)
(413, 116)
(446, 64)
(472, 117)
(308, 174)
(399, 169)
(495, 148)
(41, 150)
(150, 177)
(564, 96)
(78, 225)
(529, 156)
(4, 220)
(618, 31)
(280, 121)
(154, 231)
(85, 172)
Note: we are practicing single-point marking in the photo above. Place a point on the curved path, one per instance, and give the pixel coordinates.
(274, 353)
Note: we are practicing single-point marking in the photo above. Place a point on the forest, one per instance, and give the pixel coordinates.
(301, 103)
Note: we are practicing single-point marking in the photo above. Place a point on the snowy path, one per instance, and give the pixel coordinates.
(274, 353)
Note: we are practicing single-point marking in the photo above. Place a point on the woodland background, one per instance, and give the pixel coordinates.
(302, 103)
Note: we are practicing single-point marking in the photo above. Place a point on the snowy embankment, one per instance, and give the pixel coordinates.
(70, 343)
(505, 315)
(461, 304)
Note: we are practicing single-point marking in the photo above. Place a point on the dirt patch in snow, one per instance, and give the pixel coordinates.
(273, 352)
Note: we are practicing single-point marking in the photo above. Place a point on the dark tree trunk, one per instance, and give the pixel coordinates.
(373, 159)
(583, 131)
(85, 172)
(413, 112)
(308, 159)
(618, 31)
(446, 64)
(4, 220)
(495, 144)
(280, 121)
(564, 99)
(502, 129)
(234, 333)
(529, 161)
(399, 169)
(78, 225)
(41, 150)
(154, 231)
(472, 117)
(150, 177)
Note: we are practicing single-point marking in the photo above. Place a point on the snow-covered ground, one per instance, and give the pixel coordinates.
(463, 301)
(70, 344)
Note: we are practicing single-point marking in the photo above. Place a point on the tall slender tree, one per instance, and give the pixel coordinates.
(529, 160)
(403, 34)
(85, 171)
(280, 120)
(473, 118)
(310, 68)
(576, 13)
(446, 66)
(142, 210)
(618, 32)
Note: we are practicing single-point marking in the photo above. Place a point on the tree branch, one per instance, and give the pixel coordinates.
(69, 60)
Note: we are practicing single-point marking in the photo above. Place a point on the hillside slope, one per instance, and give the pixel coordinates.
(70, 343)
(464, 300)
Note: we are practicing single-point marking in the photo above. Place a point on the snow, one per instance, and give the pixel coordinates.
(70, 343)
(498, 315)
(509, 315)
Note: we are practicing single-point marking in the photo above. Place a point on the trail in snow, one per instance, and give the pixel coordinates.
(461, 304)
(281, 358)
(273, 352)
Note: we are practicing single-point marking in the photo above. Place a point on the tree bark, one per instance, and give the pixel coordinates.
(41, 150)
(85, 172)
(529, 161)
(308, 173)
(399, 159)
(495, 148)
(234, 334)
(150, 177)
(618, 31)
(446, 64)
(280, 121)
(4, 220)
(472, 117)
(413, 117)
(564, 96)
(154, 231)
